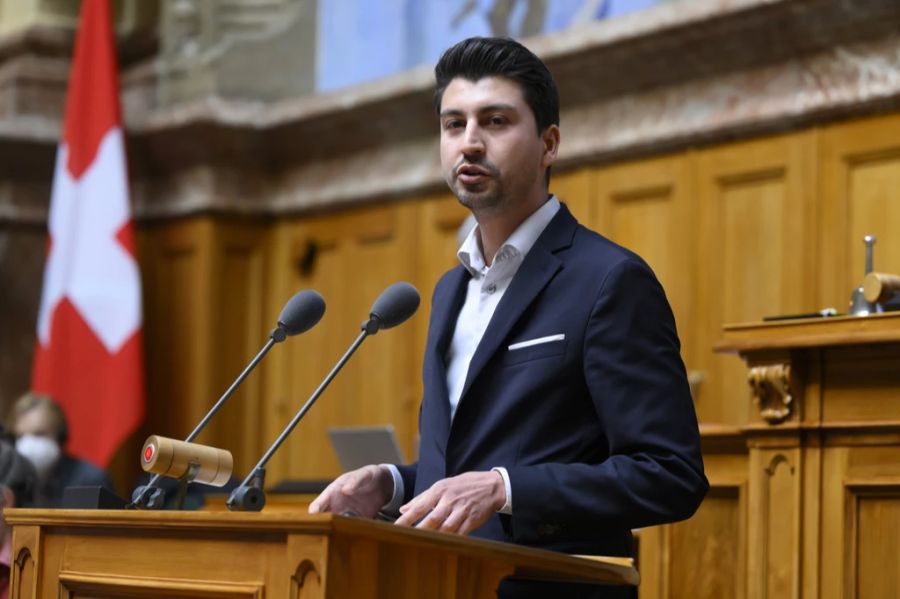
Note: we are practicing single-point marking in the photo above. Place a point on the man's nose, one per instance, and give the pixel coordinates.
(473, 142)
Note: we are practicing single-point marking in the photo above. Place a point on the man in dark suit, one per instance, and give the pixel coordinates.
(556, 412)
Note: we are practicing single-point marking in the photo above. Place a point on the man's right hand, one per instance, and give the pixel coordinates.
(361, 492)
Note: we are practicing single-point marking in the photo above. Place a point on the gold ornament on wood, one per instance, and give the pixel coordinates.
(771, 386)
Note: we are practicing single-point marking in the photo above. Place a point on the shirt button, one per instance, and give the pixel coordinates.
(491, 288)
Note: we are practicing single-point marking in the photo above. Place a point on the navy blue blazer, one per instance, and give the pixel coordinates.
(598, 430)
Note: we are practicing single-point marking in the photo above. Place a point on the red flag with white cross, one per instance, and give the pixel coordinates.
(88, 355)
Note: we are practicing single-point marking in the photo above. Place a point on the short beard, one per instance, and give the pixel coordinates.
(486, 202)
(481, 202)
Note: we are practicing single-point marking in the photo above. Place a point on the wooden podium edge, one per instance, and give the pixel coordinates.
(528, 561)
(810, 332)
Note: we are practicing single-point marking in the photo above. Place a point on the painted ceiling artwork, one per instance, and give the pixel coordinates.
(361, 40)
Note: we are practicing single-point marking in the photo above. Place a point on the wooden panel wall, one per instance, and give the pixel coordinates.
(349, 258)
(648, 207)
(239, 259)
(775, 530)
(576, 190)
(756, 253)
(204, 284)
(860, 510)
(703, 556)
(860, 522)
(860, 166)
(730, 232)
(734, 232)
(176, 265)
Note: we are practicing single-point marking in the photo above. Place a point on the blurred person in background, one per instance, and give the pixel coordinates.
(41, 432)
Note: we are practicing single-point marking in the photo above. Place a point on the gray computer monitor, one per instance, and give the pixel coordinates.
(358, 446)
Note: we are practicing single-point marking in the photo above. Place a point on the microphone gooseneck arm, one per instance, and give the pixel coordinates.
(240, 379)
(249, 496)
(141, 496)
(302, 312)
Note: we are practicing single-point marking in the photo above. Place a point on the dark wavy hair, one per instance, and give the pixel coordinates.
(479, 57)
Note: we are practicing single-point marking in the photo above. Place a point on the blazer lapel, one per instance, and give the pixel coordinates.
(538, 269)
(445, 310)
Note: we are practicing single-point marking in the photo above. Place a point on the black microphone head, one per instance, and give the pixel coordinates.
(301, 312)
(395, 304)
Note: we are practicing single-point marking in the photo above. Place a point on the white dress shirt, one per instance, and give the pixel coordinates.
(484, 292)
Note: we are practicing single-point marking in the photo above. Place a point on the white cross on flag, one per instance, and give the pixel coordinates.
(88, 355)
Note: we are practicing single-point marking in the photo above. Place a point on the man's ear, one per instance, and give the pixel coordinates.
(550, 138)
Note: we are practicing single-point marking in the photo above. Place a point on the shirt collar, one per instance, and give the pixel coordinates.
(519, 243)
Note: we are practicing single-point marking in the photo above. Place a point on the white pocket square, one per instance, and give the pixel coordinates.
(538, 341)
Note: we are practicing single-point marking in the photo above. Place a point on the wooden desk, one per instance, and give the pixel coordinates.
(823, 493)
(105, 553)
(275, 502)
(804, 499)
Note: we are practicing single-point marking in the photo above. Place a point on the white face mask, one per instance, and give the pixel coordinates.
(43, 452)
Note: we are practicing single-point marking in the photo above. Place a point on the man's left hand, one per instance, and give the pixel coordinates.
(459, 504)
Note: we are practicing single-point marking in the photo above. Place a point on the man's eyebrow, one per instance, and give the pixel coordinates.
(497, 107)
(489, 108)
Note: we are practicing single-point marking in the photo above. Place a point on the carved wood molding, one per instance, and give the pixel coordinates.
(74, 584)
(23, 571)
(777, 460)
(25, 563)
(306, 581)
(771, 387)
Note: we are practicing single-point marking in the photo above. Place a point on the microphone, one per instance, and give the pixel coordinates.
(301, 313)
(394, 306)
(186, 461)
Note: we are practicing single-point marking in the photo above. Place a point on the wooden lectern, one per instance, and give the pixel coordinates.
(131, 554)
(821, 493)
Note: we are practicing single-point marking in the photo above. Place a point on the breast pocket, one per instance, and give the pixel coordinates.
(534, 349)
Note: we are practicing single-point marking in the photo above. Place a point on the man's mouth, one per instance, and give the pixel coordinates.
(469, 174)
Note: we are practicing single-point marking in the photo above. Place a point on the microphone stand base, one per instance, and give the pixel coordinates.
(249, 497)
(154, 499)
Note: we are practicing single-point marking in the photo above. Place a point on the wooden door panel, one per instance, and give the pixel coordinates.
(704, 556)
(755, 253)
(238, 333)
(350, 258)
(861, 522)
(176, 269)
(647, 207)
(860, 196)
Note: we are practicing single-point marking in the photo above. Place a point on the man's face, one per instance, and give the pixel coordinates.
(491, 153)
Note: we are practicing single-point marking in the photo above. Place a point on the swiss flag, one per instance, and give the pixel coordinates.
(88, 355)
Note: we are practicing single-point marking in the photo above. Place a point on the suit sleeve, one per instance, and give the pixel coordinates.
(637, 384)
(408, 474)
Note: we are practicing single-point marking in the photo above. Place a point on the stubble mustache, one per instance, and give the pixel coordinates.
(481, 201)
(484, 164)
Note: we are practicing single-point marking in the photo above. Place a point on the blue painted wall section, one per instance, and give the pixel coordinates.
(361, 40)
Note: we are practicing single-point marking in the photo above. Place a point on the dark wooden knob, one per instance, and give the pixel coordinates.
(879, 287)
